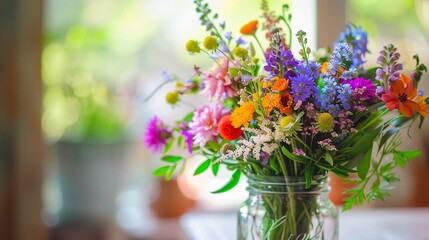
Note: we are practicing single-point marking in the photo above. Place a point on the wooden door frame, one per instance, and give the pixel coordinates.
(21, 143)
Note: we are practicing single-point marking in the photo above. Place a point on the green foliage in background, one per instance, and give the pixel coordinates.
(79, 100)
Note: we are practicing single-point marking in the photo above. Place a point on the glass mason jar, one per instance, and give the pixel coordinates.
(282, 208)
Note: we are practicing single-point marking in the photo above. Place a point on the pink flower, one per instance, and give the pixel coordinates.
(204, 125)
(217, 82)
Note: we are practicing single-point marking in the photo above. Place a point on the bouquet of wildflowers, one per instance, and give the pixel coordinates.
(270, 113)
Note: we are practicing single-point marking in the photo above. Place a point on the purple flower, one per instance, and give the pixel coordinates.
(390, 68)
(363, 89)
(302, 88)
(240, 41)
(188, 139)
(279, 59)
(156, 135)
(265, 158)
(228, 35)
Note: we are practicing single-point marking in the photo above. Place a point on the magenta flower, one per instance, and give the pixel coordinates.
(363, 89)
(217, 82)
(204, 123)
(188, 139)
(156, 135)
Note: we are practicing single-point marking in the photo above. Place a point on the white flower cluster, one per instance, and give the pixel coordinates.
(263, 139)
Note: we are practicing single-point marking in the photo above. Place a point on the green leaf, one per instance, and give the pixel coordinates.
(188, 117)
(170, 172)
(215, 168)
(214, 146)
(275, 165)
(182, 168)
(161, 171)
(308, 173)
(301, 159)
(235, 178)
(403, 157)
(363, 166)
(203, 167)
(180, 140)
(329, 159)
(168, 147)
(411, 154)
(171, 158)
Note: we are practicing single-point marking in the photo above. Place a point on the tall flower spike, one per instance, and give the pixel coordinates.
(389, 71)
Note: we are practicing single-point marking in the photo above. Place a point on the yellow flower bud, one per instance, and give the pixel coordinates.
(240, 52)
(192, 46)
(210, 43)
(172, 97)
(286, 121)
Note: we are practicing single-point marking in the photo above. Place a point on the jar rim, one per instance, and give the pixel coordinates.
(285, 184)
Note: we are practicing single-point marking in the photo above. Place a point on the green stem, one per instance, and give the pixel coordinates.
(259, 44)
(290, 194)
(204, 51)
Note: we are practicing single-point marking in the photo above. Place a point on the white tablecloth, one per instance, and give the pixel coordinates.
(361, 224)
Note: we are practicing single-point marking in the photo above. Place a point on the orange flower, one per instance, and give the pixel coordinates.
(271, 101)
(281, 84)
(242, 115)
(266, 84)
(249, 28)
(423, 106)
(324, 67)
(285, 105)
(401, 95)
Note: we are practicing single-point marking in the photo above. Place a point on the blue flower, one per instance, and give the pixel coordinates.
(335, 97)
(302, 87)
(240, 41)
(228, 35)
(358, 40)
(340, 54)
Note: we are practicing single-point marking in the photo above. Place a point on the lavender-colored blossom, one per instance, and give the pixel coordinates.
(302, 87)
(156, 134)
(228, 35)
(265, 158)
(246, 78)
(363, 89)
(188, 139)
(379, 91)
(240, 41)
(421, 92)
(388, 60)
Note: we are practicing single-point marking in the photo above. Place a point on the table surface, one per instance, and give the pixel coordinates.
(369, 224)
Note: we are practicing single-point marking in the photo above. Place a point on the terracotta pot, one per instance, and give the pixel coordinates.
(170, 202)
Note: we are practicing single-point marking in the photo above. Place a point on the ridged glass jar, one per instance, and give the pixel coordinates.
(282, 208)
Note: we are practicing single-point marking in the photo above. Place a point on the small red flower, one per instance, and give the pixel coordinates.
(226, 130)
